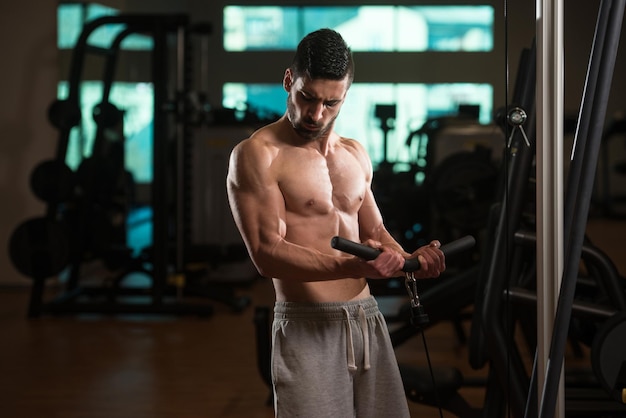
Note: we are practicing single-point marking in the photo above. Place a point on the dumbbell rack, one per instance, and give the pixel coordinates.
(65, 236)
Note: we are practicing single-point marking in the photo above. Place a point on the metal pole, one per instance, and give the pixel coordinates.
(580, 212)
(549, 158)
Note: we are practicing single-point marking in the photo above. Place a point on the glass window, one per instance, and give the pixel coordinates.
(365, 28)
(136, 100)
(71, 17)
(414, 104)
(69, 24)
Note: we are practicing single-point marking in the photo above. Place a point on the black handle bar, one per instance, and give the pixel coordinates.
(412, 264)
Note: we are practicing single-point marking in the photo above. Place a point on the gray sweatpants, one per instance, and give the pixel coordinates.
(334, 360)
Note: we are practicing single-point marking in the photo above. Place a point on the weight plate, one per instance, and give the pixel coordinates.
(107, 115)
(464, 188)
(608, 356)
(52, 181)
(64, 114)
(40, 248)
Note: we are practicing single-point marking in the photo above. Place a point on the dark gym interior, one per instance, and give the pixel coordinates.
(121, 297)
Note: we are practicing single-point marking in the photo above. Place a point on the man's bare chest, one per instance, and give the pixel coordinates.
(314, 184)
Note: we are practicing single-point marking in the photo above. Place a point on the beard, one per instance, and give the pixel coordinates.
(307, 128)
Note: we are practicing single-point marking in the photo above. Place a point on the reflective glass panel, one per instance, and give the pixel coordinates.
(365, 28)
(71, 18)
(136, 100)
(414, 105)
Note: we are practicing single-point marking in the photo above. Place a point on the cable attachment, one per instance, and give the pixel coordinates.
(516, 117)
(419, 318)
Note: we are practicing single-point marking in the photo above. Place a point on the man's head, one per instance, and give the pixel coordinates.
(317, 82)
(323, 54)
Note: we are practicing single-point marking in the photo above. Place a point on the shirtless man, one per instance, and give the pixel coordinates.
(292, 186)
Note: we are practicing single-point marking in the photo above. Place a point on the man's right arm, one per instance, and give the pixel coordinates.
(258, 208)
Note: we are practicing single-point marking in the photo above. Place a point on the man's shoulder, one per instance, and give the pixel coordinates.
(266, 136)
(260, 146)
(352, 145)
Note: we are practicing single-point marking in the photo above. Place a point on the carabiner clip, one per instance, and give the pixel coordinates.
(411, 287)
(418, 317)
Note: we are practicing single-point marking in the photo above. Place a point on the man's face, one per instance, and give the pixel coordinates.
(313, 105)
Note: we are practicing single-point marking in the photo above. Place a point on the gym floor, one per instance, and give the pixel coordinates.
(140, 366)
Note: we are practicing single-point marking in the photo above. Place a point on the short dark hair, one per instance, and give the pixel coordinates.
(323, 54)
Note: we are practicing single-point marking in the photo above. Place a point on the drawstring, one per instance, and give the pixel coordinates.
(366, 340)
(351, 359)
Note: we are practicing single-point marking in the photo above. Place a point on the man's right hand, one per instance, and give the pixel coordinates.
(387, 265)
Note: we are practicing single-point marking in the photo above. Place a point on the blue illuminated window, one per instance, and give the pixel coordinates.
(415, 104)
(365, 28)
(71, 18)
(136, 101)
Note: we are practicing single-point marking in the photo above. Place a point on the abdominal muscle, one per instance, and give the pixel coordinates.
(340, 290)
(316, 232)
